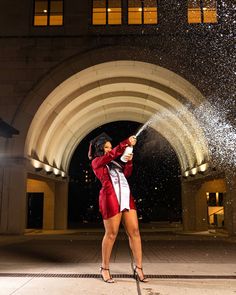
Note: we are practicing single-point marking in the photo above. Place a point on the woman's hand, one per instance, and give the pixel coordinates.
(132, 140)
(128, 157)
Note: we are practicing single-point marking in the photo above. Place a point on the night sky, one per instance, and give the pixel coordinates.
(155, 182)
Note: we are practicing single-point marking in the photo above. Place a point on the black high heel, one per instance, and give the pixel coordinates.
(137, 277)
(109, 280)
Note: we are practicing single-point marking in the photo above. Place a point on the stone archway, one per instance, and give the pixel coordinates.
(111, 91)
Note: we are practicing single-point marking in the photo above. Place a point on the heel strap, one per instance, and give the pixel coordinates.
(103, 268)
(136, 267)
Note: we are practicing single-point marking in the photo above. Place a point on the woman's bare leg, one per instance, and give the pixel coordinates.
(130, 221)
(111, 229)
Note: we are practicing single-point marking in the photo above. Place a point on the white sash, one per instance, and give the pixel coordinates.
(120, 185)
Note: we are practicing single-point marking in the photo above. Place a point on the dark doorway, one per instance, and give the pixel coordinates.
(35, 210)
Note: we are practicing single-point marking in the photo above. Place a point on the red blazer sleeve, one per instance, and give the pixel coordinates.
(128, 168)
(113, 154)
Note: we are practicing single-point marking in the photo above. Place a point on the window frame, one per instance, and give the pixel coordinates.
(107, 14)
(142, 14)
(201, 7)
(48, 15)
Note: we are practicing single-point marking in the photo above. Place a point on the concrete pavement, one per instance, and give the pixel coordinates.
(58, 262)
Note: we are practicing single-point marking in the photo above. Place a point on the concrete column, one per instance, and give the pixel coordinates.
(49, 205)
(12, 198)
(201, 209)
(194, 206)
(188, 206)
(230, 205)
(61, 205)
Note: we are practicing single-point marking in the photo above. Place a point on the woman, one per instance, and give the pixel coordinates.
(115, 200)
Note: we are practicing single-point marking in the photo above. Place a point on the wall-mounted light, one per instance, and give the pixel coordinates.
(186, 174)
(203, 168)
(37, 165)
(193, 171)
(48, 168)
(56, 171)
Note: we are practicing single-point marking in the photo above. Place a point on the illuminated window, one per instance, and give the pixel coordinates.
(215, 206)
(202, 11)
(107, 12)
(142, 12)
(114, 12)
(99, 12)
(135, 12)
(150, 12)
(48, 12)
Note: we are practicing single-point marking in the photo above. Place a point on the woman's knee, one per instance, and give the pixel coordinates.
(111, 235)
(134, 232)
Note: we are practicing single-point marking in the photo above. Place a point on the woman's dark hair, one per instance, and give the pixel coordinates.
(96, 147)
(99, 150)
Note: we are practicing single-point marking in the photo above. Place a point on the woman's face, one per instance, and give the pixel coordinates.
(107, 147)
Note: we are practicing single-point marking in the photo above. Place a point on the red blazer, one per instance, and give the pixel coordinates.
(108, 203)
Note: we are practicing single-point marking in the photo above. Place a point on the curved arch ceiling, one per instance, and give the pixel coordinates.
(112, 91)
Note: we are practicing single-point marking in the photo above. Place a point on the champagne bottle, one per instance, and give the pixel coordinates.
(128, 150)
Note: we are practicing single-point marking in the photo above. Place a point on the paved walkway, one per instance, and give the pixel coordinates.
(67, 263)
